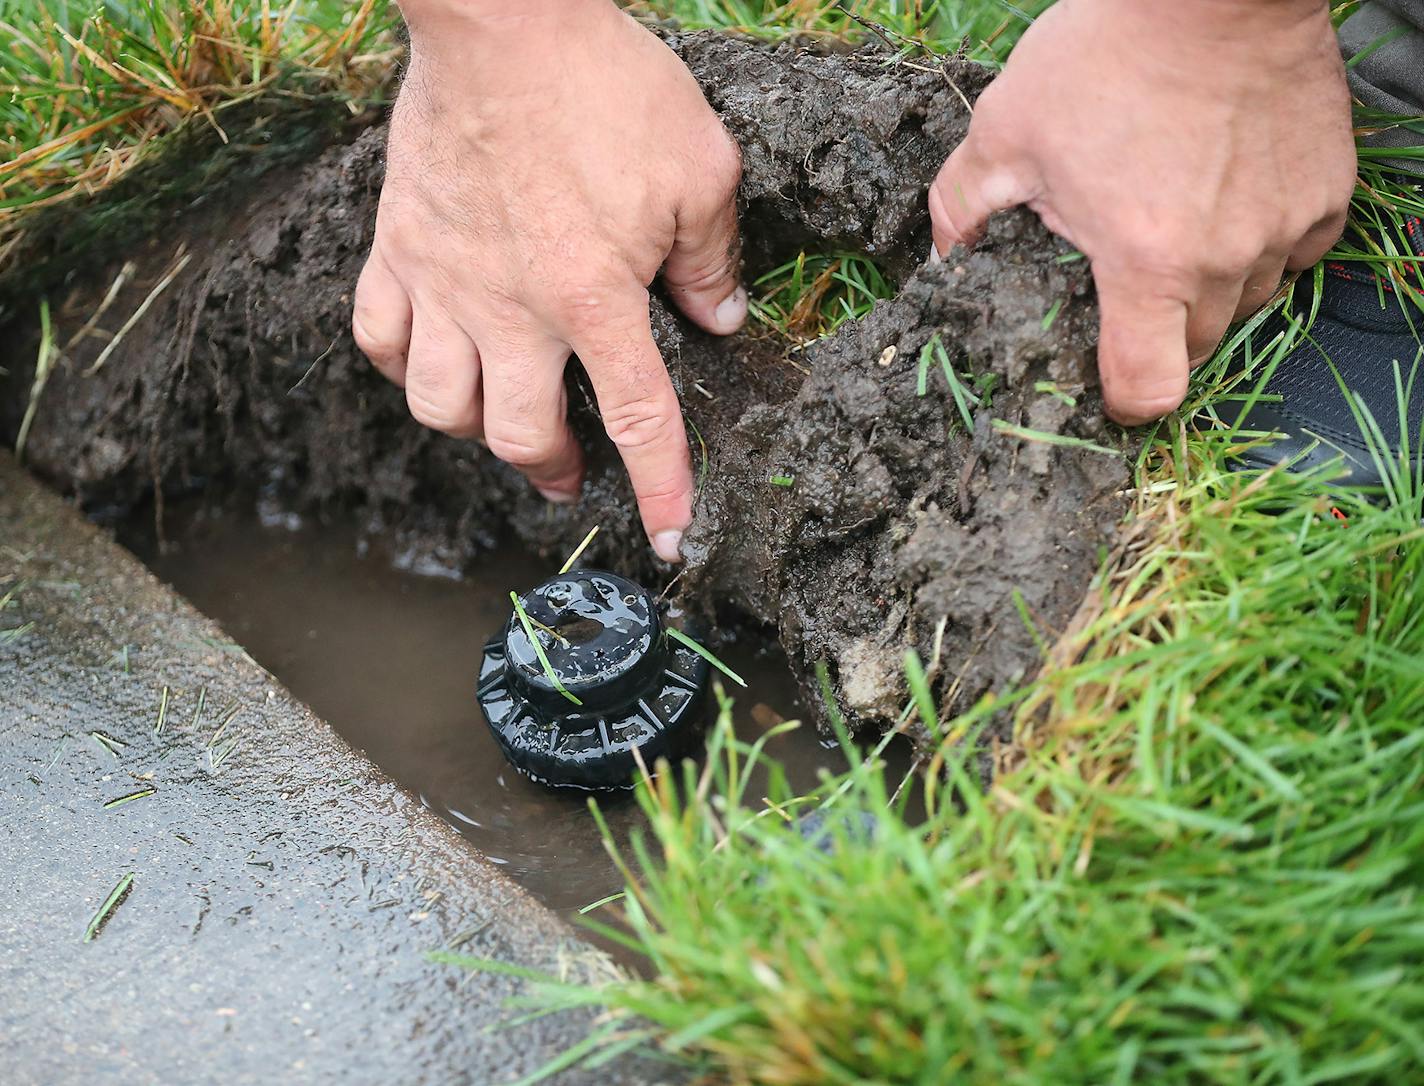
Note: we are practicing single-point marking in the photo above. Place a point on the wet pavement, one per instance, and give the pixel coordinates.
(284, 892)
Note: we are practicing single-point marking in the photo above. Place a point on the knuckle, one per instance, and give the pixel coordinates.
(523, 449)
(726, 166)
(1332, 226)
(1233, 257)
(1342, 187)
(705, 275)
(988, 107)
(1149, 243)
(637, 424)
(1158, 256)
(373, 345)
(1201, 347)
(994, 143)
(439, 414)
(501, 290)
(588, 301)
(434, 375)
(669, 489)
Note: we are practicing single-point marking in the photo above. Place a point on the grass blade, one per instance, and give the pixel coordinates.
(706, 654)
(116, 896)
(539, 650)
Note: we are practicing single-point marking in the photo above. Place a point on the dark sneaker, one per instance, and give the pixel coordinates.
(1363, 339)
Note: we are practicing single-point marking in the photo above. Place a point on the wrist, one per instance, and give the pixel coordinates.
(1235, 19)
(1215, 43)
(502, 46)
(496, 18)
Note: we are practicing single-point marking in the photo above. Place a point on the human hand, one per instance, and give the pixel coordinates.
(1193, 150)
(545, 160)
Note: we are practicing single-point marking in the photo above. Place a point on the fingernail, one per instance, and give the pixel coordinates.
(558, 497)
(731, 311)
(935, 258)
(668, 546)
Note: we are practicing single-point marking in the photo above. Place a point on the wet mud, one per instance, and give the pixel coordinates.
(390, 660)
(906, 524)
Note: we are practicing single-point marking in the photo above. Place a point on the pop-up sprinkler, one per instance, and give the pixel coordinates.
(599, 680)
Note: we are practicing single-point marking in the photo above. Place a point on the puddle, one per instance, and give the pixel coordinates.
(390, 660)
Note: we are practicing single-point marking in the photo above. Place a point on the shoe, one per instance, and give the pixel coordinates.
(1363, 339)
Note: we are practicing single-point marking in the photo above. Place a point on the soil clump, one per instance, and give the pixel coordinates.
(917, 513)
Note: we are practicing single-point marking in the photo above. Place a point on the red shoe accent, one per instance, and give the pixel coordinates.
(1414, 230)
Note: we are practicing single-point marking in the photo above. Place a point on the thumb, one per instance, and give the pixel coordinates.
(1142, 349)
(971, 187)
(701, 270)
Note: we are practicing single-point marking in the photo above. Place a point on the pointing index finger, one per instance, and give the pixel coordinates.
(643, 417)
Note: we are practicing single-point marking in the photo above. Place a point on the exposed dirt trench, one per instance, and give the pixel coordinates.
(901, 518)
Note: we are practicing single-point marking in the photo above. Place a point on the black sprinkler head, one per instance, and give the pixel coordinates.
(623, 684)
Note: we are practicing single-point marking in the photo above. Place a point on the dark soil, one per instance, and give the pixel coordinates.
(244, 375)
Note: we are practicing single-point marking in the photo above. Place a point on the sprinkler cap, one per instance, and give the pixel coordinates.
(605, 642)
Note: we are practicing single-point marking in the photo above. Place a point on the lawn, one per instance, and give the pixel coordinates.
(1200, 861)
(88, 91)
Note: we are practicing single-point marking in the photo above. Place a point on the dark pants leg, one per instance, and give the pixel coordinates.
(1390, 77)
(1359, 332)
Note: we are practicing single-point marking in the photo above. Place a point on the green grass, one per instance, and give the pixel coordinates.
(969, 394)
(985, 30)
(538, 647)
(44, 365)
(119, 801)
(706, 654)
(90, 89)
(1247, 911)
(813, 294)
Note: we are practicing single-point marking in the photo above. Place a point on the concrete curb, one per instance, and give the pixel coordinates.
(285, 891)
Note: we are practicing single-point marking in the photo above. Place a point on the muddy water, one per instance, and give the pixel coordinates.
(390, 658)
